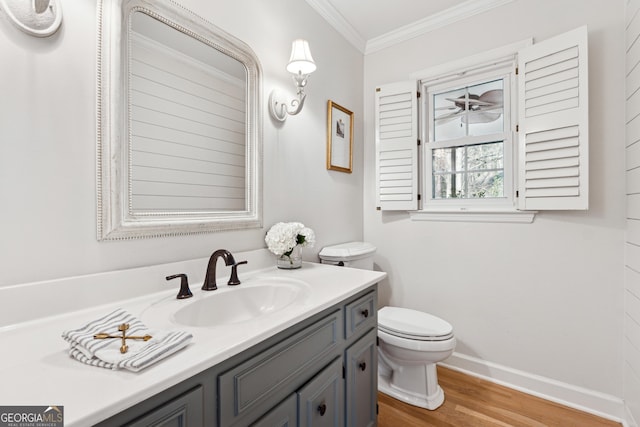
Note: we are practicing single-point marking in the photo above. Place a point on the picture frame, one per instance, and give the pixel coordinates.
(339, 138)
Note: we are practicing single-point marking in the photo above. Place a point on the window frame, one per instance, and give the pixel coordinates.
(459, 79)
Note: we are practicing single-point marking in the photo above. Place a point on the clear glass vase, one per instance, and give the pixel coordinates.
(291, 261)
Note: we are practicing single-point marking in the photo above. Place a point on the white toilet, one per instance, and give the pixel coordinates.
(411, 342)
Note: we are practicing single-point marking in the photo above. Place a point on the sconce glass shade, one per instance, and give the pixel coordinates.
(301, 60)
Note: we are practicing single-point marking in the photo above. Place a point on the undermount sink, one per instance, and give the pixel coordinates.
(242, 303)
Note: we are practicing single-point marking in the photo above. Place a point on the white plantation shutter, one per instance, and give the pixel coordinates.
(396, 134)
(553, 120)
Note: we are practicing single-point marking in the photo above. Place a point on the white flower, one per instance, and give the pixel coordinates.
(284, 236)
(309, 237)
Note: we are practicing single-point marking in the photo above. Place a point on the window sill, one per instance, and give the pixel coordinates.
(477, 215)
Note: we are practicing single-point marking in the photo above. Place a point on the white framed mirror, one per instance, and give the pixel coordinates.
(179, 124)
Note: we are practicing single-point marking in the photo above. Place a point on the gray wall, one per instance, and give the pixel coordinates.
(47, 143)
(529, 297)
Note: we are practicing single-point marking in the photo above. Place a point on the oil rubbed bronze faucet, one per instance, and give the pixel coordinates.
(185, 292)
(210, 278)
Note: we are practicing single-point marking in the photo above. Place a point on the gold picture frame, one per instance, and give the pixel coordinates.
(339, 138)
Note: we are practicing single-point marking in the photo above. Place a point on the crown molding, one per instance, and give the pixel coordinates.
(337, 21)
(448, 16)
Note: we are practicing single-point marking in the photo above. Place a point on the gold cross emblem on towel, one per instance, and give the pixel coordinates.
(122, 328)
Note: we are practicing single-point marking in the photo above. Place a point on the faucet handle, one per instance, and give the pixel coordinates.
(233, 280)
(185, 292)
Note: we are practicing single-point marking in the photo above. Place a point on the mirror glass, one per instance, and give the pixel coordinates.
(179, 141)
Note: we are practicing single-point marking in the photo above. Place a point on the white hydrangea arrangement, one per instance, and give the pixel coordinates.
(284, 236)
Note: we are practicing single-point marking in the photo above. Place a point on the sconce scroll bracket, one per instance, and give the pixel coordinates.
(40, 18)
(280, 109)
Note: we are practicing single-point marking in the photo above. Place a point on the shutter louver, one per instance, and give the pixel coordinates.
(553, 113)
(397, 146)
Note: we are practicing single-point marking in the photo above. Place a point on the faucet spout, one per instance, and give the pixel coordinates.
(210, 278)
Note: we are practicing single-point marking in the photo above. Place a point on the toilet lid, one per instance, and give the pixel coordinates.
(347, 251)
(412, 324)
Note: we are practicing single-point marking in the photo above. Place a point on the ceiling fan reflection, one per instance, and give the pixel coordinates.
(473, 109)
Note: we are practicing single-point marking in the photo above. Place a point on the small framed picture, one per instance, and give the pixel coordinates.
(339, 138)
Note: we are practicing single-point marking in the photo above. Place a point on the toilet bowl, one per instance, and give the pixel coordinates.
(411, 343)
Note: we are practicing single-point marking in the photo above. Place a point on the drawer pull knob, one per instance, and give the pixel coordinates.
(362, 366)
(365, 313)
(322, 409)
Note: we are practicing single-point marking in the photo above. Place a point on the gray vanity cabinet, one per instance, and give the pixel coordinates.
(319, 372)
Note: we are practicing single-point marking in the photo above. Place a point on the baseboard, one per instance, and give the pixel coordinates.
(600, 404)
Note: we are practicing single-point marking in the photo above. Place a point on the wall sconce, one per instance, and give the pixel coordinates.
(300, 65)
(40, 18)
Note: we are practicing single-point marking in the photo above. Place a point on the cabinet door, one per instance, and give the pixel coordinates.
(362, 381)
(283, 415)
(321, 400)
(185, 410)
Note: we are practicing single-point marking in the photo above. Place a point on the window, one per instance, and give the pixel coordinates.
(468, 155)
(503, 132)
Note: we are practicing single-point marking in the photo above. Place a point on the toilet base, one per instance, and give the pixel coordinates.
(430, 402)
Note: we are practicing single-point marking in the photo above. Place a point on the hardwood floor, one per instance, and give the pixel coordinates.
(472, 402)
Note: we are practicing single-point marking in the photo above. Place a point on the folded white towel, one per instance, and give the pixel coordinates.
(106, 352)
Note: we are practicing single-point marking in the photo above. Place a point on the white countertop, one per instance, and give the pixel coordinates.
(36, 369)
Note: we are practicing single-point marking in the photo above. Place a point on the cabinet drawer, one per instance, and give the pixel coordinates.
(268, 378)
(321, 401)
(361, 314)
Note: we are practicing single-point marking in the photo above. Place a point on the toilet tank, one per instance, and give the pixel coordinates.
(350, 254)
